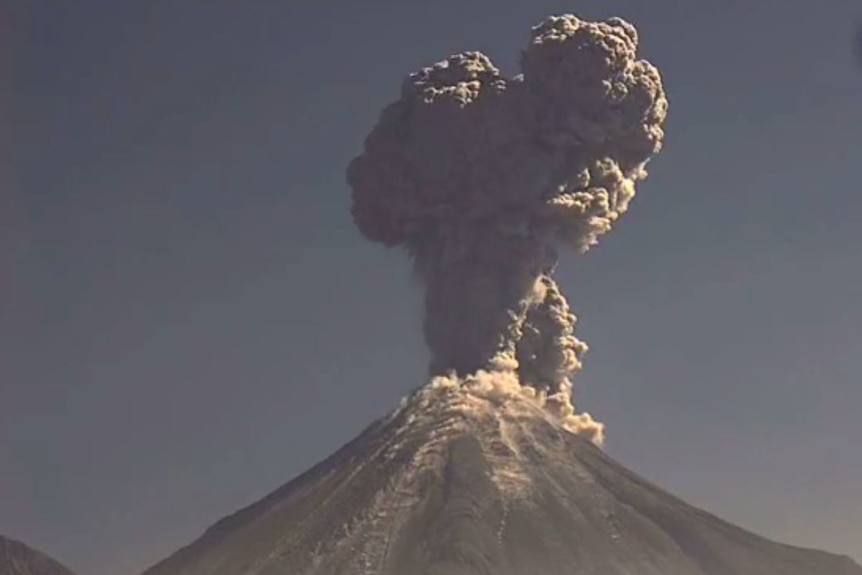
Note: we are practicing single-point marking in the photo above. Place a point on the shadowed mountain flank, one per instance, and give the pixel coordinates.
(18, 559)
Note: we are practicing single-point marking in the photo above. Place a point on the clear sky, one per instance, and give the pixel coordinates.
(189, 318)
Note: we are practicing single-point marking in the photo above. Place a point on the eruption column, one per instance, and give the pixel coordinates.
(481, 178)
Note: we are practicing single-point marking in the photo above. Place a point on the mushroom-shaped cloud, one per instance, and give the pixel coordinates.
(481, 178)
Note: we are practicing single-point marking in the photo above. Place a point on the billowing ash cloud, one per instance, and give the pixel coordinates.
(481, 178)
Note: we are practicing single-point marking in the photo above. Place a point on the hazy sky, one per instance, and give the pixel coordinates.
(189, 318)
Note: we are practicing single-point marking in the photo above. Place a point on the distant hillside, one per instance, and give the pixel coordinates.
(18, 559)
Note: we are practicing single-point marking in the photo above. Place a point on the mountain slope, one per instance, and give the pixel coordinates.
(457, 483)
(18, 559)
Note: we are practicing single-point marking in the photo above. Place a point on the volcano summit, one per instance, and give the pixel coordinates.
(480, 481)
(489, 468)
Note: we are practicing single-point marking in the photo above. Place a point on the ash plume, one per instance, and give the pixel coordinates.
(482, 178)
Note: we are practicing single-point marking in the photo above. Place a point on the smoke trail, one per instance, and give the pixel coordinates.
(481, 178)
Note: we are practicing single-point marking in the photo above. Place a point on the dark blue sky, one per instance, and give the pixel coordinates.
(189, 318)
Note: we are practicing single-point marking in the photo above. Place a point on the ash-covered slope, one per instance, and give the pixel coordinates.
(18, 559)
(480, 481)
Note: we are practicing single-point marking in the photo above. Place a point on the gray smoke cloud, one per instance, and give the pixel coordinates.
(482, 178)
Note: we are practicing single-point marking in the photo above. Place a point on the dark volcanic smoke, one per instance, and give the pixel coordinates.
(481, 178)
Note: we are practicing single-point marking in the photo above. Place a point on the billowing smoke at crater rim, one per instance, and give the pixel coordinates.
(482, 178)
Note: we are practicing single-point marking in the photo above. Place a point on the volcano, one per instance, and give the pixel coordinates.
(460, 482)
(19, 559)
(490, 468)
